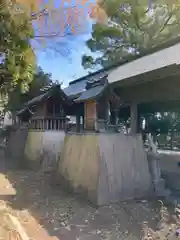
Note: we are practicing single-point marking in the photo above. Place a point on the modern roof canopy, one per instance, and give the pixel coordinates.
(154, 59)
(154, 63)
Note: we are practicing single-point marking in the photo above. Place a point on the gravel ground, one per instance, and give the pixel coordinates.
(30, 195)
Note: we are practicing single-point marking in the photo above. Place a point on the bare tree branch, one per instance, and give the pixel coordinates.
(46, 11)
(58, 34)
(34, 16)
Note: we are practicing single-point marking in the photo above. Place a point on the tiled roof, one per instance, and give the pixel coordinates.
(47, 94)
(76, 88)
(79, 86)
(44, 96)
(91, 93)
(37, 99)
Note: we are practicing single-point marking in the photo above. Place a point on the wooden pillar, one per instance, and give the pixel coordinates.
(107, 116)
(78, 122)
(83, 122)
(90, 115)
(107, 111)
(114, 117)
(134, 118)
(138, 122)
(54, 110)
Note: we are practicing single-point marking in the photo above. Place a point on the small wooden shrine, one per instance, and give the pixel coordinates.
(47, 111)
(94, 102)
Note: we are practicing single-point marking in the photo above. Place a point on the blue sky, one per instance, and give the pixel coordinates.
(64, 61)
(65, 65)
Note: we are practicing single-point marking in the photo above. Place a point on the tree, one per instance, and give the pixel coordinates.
(52, 20)
(133, 26)
(158, 123)
(40, 81)
(60, 18)
(22, 21)
(16, 54)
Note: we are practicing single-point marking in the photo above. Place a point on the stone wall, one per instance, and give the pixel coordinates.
(105, 167)
(43, 148)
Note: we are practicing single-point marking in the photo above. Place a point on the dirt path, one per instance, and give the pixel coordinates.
(47, 213)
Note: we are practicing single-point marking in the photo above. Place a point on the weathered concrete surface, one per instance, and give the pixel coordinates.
(123, 158)
(79, 164)
(105, 167)
(33, 148)
(169, 165)
(169, 160)
(16, 144)
(43, 148)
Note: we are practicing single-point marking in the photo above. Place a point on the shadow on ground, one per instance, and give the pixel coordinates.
(64, 215)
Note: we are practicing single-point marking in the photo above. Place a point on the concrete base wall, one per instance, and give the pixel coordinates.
(170, 168)
(105, 167)
(43, 148)
(16, 144)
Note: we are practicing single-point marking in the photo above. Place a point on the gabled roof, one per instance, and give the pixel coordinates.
(37, 99)
(94, 88)
(92, 93)
(46, 95)
(77, 87)
(73, 90)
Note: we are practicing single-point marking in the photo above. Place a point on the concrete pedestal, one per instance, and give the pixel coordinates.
(105, 167)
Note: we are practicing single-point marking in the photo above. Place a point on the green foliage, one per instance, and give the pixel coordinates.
(162, 123)
(40, 80)
(158, 123)
(35, 87)
(133, 26)
(16, 54)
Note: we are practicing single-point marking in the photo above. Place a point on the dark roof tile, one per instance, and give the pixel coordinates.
(37, 99)
(92, 93)
(79, 86)
(76, 88)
